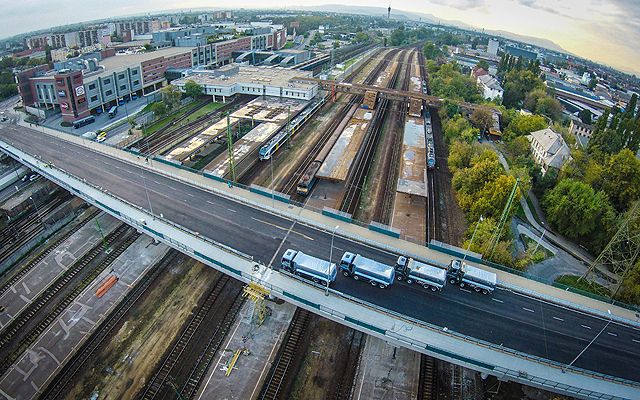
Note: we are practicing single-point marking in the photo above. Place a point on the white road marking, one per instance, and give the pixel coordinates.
(559, 319)
(637, 341)
(231, 210)
(527, 309)
(499, 301)
(612, 334)
(190, 195)
(584, 326)
(466, 290)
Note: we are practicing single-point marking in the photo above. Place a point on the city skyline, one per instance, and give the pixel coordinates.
(603, 31)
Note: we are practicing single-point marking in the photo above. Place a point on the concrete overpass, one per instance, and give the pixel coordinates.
(230, 229)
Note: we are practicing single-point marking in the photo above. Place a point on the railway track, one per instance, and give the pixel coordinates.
(28, 226)
(348, 372)
(427, 389)
(384, 213)
(273, 384)
(57, 388)
(158, 382)
(15, 278)
(7, 343)
(201, 366)
(360, 169)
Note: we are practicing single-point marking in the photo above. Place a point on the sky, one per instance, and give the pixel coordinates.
(605, 31)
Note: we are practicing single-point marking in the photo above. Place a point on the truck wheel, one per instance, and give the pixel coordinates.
(356, 277)
(477, 289)
(452, 281)
(434, 289)
(485, 291)
(374, 283)
(315, 280)
(409, 281)
(345, 273)
(399, 277)
(382, 286)
(461, 284)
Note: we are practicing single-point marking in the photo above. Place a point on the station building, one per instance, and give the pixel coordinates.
(232, 79)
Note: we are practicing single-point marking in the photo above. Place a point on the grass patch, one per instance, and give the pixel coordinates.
(206, 110)
(520, 212)
(170, 118)
(572, 281)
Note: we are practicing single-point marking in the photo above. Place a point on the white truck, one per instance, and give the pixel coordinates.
(371, 271)
(428, 276)
(477, 279)
(310, 267)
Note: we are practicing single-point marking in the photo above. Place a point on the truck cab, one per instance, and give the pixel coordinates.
(456, 271)
(287, 260)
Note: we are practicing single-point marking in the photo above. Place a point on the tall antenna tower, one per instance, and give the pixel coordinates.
(389, 12)
(618, 258)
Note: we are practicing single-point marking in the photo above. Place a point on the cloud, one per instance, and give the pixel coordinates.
(545, 6)
(461, 4)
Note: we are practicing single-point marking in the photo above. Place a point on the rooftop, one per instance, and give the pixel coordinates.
(270, 76)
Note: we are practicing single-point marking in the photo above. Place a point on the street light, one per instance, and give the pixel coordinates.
(472, 236)
(592, 340)
(539, 240)
(333, 234)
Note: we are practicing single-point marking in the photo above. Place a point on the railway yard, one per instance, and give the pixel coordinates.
(95, 309)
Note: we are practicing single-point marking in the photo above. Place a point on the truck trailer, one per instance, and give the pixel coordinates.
(476, 278)
(310, 267)
(371, 271)
(428, 276)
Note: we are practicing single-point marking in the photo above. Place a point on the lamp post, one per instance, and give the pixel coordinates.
(539, 240)
(592, 340)
(333, 234)
(472, 236)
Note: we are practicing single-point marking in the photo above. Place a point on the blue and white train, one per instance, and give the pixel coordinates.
(282, 136)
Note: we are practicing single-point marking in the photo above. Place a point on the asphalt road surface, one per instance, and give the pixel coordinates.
(505, 318)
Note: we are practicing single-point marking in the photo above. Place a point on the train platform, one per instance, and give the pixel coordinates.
(196, 144)
(413, 163)
(338, 162)
(258, 345)
(22, 293)
(242, 148)
(58, 343)
(271, 109)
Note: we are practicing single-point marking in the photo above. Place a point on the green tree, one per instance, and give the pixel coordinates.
(398, 36)
(482, 119)
(585, 116)
(523, 125)
(192, 89)
(159, 109)
(461, 153)
(483, 64)
(336, 44)
(549, 107)
(622, 180)
(574, 208)
(171, 96)
(431, 51)
(517, 84)
(592, 84)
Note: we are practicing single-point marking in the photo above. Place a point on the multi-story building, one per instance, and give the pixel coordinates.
(93, 83)
(549, 149)
(582, 131)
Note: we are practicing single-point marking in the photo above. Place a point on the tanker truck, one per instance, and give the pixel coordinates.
(310, 267)
(425, 275)
(361, 268)
(465, 275)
